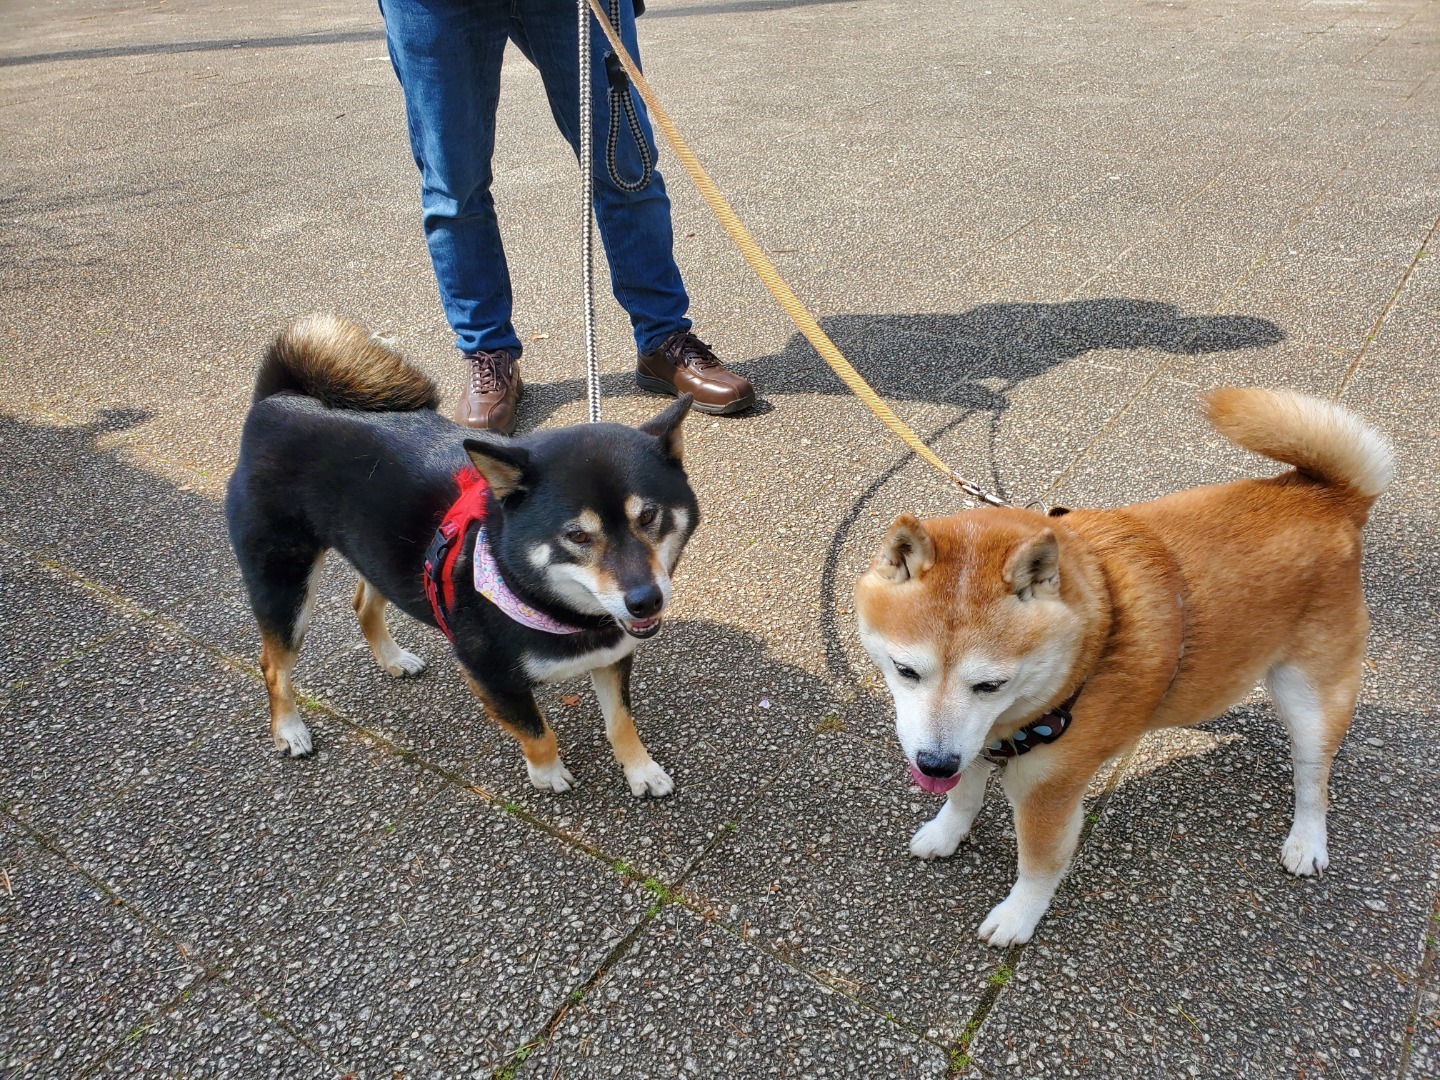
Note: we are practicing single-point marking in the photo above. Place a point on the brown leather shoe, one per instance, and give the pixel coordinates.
(495, 388)
(683, 364)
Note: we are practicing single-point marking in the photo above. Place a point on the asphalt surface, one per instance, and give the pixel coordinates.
(1039, 229)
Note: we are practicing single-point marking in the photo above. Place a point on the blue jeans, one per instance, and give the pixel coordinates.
(447, 55)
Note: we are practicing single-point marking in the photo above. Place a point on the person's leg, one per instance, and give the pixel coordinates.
(447, 55)
(635, 226)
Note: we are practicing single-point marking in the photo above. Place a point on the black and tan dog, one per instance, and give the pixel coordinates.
(553, 553)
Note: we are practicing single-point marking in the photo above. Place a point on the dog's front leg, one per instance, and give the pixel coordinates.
(941, 835)
(642, 773)
(1048, 815)
(519, 714)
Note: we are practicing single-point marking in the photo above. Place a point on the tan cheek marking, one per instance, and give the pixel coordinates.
(597, 549)
(604, 581)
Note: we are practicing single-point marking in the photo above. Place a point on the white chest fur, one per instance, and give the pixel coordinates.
(546, 669)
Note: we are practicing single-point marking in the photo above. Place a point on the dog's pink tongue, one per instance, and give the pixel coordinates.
(937, 785)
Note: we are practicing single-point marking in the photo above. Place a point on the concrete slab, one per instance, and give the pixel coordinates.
(1179, 937)
(444, 950)
(1039, 231)
(843, 899)
(102, 515)
(213, 1031)
(705, 727)
(687, 999)
(82, 972)
(1424, 1042)
(90, 730)
(215, 879)
(51, 618)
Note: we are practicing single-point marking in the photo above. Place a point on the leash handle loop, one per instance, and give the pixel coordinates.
(620, 101)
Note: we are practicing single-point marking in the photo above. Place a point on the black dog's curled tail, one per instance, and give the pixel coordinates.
(339, 363)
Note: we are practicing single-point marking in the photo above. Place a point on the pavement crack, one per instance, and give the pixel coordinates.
(1385, 312)
(522, 1053)
(1425, 978)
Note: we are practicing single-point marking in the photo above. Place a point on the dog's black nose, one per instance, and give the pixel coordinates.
(940, 766)
(644, 601)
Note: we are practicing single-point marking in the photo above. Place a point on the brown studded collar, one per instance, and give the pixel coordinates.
(1042, 730)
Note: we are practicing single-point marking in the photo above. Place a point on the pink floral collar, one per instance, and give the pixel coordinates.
(489, 584)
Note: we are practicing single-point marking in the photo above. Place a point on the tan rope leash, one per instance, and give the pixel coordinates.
(765, 270)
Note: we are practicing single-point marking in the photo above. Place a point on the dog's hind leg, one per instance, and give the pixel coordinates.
(1316, 704)
(283, 608)
(520, 716)
(370, 610)
(642, 772)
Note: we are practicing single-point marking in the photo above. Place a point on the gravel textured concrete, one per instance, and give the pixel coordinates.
(1039, 229)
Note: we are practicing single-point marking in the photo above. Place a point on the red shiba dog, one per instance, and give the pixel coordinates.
(1045, 646)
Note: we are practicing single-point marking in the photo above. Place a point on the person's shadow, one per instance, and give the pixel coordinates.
(943, 357)
(939, 357)
(971, 360)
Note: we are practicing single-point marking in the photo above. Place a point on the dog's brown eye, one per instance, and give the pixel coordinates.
(647, 517)
(579, 537)
(988, 687)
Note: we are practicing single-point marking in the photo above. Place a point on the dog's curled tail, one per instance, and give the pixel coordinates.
(337, 362)
(1325, 441)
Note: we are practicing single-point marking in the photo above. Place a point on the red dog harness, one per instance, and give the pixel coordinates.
(445, 548)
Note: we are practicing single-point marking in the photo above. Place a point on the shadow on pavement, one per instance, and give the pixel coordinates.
(942, 357)
(970, 359)
(730, 7)
(109, 52)
(724, 730)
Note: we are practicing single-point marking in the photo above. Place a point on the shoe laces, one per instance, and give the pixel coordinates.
(489, 372)
(687, 350)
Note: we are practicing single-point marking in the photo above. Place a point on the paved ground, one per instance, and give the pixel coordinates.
(1039, 228)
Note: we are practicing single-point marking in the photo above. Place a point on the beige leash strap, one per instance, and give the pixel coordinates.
(770, 277)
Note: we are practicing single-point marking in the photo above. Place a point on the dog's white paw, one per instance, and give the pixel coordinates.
(648, 780)
(553, 777)
(1011, 922)
(1303, 852)
(402, 663)
(292, 737)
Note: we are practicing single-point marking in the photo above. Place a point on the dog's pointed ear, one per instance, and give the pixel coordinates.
(906, 552)
(1034, 566)
(669, 427)
(502, 465)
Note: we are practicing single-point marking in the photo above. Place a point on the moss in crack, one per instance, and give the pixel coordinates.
(511, 1068)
